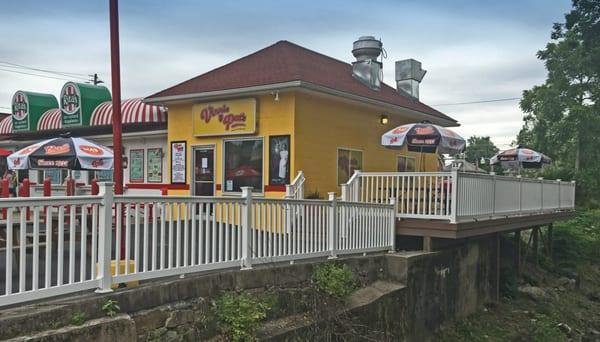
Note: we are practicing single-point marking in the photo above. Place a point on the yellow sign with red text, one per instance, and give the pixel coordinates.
(224, 118)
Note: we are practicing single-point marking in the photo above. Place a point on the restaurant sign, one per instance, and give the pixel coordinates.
(232, 117)
(78, 101)
(28, 107)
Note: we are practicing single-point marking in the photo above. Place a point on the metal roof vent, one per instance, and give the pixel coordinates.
(409, 75)
(366, 68)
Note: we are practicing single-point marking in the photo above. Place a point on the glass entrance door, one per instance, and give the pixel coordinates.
(204, 171)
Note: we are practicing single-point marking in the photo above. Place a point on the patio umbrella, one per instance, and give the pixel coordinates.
(4, 153)
(520, 157)
(424, 137)
(243, 171)
(62, 153)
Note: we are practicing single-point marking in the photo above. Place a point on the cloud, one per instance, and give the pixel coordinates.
(473, 50)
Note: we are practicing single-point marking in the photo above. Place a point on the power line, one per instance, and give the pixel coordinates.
(475, 102)
(38, 75)
(63, 73)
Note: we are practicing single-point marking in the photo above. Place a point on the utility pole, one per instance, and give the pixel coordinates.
(116, 96)
(95, 80)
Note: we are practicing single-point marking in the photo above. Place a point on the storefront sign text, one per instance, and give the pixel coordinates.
(225, 118)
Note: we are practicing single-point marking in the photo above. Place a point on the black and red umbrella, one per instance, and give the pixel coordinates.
(424, 137)
(62, 153)
(520, 157)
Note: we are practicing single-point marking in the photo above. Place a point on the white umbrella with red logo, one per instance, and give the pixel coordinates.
(520, 157)
(62, 153)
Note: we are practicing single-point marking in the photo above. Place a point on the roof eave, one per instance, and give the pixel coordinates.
(237, 92)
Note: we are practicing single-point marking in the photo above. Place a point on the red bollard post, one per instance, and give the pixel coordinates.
(5, 194)
(26, 192)
(70, 187)
(47, 192)
(95, 187)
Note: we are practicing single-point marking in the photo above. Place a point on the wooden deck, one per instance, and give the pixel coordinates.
(459, 230)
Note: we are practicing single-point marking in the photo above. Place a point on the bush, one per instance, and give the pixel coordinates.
(334, 279)
(577, 240)
(240, 315)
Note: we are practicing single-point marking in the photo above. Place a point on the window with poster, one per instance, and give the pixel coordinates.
(136, 165)
(243, 165)
(348, 161)
(406, 164)
(279, 160)
(154, 167)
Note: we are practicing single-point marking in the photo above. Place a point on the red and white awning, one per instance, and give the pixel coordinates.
(6, 126)
(51, 119)
(132, 111)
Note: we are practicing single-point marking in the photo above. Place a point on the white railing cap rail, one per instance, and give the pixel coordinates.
(13, 202)
(172, 199)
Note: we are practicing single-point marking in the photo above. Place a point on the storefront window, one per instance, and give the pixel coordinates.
(243, 165)
(57, 176)
(347, 162)
(406, 164)
(104, 176)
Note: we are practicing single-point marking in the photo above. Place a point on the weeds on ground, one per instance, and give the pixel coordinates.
(240, 315)
(334, 279)
(78, 318)
(111, 307)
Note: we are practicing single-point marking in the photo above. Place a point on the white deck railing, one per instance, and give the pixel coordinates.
(69, 244)
(296, 189)
(457, 196)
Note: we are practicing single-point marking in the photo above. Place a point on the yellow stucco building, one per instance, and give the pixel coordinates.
(259, 120)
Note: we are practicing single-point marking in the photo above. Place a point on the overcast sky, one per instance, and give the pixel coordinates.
(472, 50)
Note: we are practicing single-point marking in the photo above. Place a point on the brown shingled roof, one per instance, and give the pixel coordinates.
(284, 62)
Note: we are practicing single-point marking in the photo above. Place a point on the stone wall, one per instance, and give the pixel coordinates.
(403, 296)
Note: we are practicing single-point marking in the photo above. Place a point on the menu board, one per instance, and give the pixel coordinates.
(136, 166)
(178, 159)
(155, 165)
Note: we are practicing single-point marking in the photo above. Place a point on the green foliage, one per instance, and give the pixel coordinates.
(78, 318)
(544, 329)
(110, 307)
(240, 315)
(563, 114)
(336, 280)
(577, 240)
(478, 147)
(508, 283)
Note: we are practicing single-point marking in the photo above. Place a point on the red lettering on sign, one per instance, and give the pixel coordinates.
(231, 121)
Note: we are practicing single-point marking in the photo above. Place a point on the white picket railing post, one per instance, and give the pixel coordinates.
(289, 191)
(345, 192)
(247, 228)
(394, 204)
(520, 193)
(559, 191)
(104, 238)
(541, 193)
(454, 196)
(332, 226)
(357, 186)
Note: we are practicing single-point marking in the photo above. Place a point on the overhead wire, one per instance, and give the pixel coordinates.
(62, 73)
(476, 102)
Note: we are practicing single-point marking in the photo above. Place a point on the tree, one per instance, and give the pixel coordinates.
(562, 116)
(478, 147)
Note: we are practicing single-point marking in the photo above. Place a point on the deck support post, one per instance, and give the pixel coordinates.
(517, 256)
(550, 238)
(498, 258)
(427, 244)
(535, 232)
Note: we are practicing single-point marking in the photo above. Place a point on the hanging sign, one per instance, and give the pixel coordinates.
(232, 117)
(178, 162)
